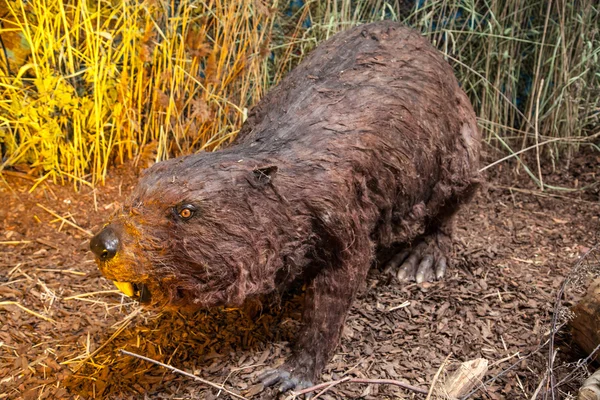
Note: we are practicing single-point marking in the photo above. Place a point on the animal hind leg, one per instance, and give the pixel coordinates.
(427, 258)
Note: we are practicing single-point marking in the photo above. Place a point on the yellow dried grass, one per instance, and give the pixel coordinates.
(89, 83)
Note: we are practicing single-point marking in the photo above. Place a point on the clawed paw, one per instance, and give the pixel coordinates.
(285, 380)
(423, 263)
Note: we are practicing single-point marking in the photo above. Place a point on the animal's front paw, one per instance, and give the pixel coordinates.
(287, 378)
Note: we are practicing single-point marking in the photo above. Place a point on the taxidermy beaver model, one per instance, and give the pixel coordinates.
(368, 145)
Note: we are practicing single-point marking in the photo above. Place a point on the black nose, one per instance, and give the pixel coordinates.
(105, 244)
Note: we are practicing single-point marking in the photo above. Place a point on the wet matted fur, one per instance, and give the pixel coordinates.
(368, 144)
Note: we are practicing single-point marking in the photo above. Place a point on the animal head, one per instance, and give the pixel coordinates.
(194, 233)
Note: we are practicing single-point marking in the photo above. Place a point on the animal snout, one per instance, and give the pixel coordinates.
(105, 244)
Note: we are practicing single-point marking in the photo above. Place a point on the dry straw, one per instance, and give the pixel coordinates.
(84, 85)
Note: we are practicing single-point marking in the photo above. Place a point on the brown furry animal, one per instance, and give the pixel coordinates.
(368, 145)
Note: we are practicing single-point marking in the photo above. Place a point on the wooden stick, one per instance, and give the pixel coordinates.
(194, 377)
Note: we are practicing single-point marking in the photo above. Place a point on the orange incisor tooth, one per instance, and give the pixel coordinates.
(125, 287)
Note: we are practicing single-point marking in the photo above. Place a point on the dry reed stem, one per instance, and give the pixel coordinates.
(18, 175)
(62, 271)
(82, 295)
(14, 303)
(139, 62)
(123, 324)
(516, 153)
(184, 82)
(537, 134)
(545, 194)
(63, 219)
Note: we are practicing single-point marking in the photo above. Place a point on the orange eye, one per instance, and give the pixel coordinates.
(185, 213)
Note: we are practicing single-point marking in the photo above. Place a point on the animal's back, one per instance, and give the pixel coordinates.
(377, 100)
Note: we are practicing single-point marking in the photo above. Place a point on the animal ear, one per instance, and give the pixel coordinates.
(264, 175)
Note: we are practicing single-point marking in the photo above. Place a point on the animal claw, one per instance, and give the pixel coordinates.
(424, 263)
(286, 380)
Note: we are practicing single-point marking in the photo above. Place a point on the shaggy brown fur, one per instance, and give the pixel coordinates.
(369, 143)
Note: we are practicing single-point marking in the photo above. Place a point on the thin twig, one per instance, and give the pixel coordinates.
(48, 243)
(554, 329)
(503, 360)
(234, 370)
(361, 380)
(194, 377)
(437, 376)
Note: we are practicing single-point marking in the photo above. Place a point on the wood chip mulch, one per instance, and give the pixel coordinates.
(62, 325)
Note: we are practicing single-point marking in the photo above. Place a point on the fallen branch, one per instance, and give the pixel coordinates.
(194, 377)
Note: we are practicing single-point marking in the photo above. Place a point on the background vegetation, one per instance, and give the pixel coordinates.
(85, 84)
